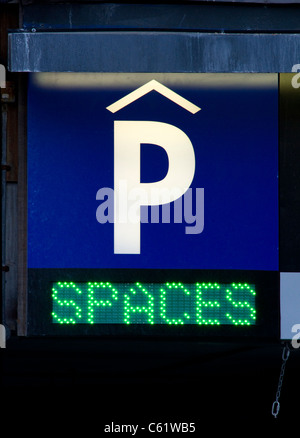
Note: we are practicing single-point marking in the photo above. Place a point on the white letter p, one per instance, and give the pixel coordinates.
(128, 137)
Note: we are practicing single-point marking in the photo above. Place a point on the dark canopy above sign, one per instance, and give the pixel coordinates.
(186, 36)
(148, 51)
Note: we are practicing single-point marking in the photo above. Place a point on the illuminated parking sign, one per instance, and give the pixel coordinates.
(152, 180)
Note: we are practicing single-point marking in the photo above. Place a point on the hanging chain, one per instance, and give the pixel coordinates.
(285, 356)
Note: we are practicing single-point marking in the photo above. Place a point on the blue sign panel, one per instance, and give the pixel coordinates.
(153, 171)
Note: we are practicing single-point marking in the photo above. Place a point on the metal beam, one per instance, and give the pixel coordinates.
(125, 51)
(204, 17)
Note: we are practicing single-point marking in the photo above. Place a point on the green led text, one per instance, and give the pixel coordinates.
(171, 303)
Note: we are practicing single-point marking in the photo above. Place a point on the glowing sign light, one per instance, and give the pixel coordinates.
(170, 235)
(173, 303)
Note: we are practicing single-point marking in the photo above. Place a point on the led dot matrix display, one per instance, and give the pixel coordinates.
(173, 303)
